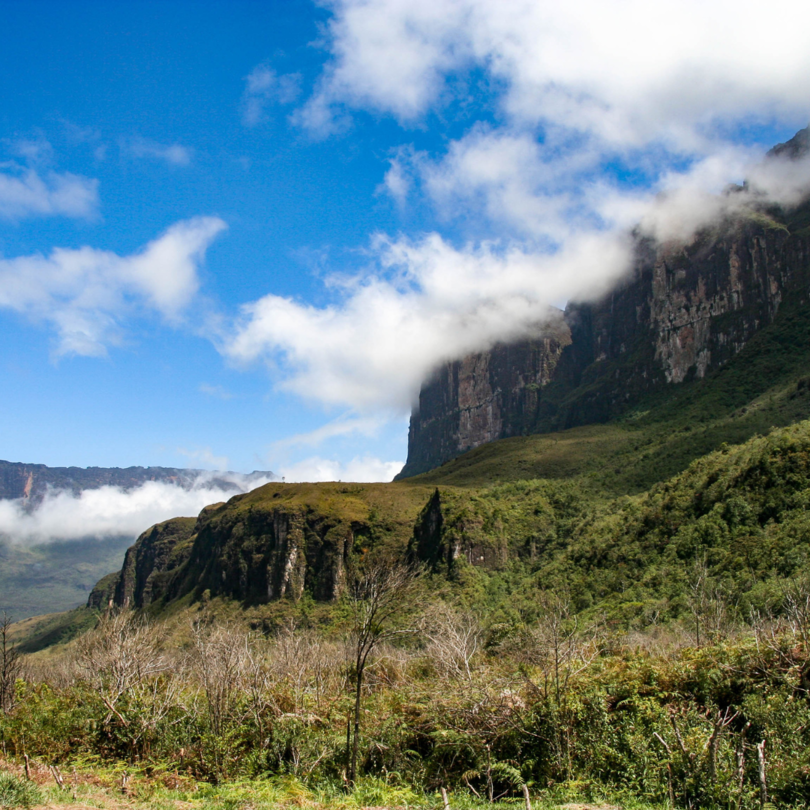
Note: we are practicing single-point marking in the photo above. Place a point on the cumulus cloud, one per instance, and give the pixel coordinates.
(173, 154)
(358, 470)
(397, 182)
(606, 116)
(26, 192)
(264, 87)
(626, 72)
(112, 511)
(426, 302)
(85, 294)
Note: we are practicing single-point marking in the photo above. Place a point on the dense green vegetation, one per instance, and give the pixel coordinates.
(570, 709)
(635, 648)
(638, 648)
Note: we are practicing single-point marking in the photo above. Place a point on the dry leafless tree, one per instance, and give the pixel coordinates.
(10, 666)
(377, 595)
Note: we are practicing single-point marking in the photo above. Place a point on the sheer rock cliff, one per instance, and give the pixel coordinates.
(683, 310)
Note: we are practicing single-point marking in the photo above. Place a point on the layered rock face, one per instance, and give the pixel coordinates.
(683, 311)
(483, 397)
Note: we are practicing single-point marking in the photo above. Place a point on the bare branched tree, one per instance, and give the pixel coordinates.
(221, 659)
(10, 666)
(560, 645)
(708, 605)
(454, 637)
(120, 654)
(377, 595)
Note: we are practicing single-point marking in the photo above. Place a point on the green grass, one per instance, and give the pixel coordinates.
(766, 385)
(16, 792)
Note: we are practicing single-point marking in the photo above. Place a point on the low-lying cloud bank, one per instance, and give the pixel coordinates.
(112, 511)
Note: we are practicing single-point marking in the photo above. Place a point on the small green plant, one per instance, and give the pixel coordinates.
(16, 792)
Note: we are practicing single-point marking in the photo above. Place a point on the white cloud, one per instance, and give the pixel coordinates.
(506, 177)
(626, 72)
(25, 192)
(174, 154)
(264, 87)
(112, 511)
(84, 294)
(583, 91)
(358, 470)
(426, 303)
(396, 182)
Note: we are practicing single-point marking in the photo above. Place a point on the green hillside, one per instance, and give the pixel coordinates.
(766, 385)
(610, 614)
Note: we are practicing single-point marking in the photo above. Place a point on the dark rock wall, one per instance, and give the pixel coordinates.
(150, 562)
(683, 310)
(261, 555)
(483, 397)
(254, 555)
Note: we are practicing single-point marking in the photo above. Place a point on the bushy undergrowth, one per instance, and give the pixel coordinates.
(556, 705)
(654, 648)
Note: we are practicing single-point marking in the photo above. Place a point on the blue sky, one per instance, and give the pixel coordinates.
(240, 234)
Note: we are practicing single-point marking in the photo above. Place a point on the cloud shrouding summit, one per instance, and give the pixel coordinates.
(424, 303)
(594, 118)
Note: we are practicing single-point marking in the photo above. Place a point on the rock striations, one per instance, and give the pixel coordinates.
(483, 397)
(276, 542)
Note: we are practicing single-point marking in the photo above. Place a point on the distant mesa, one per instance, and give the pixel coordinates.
(32, 481)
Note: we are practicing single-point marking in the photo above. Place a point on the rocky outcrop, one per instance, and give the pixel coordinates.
(276, 542)
(683, 311)
(150, 563)
(483, 397)
(260, 555)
